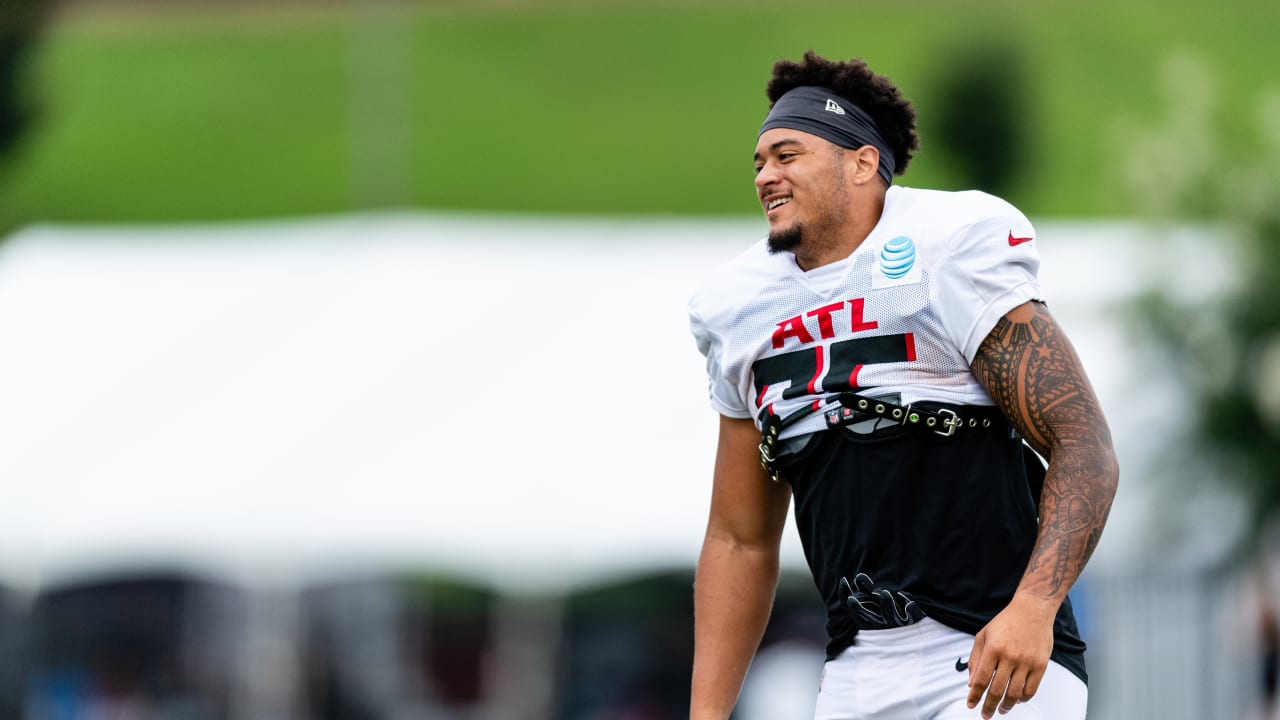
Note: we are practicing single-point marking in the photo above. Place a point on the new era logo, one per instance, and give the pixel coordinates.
(833, 107)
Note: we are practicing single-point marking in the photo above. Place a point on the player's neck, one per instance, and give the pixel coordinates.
(842, 239)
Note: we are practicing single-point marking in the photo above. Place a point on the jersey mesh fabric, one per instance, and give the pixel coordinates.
(777, 339)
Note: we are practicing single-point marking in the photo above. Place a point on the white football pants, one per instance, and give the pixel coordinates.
(909, 673)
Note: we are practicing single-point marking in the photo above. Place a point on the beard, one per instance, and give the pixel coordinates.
(786, 239)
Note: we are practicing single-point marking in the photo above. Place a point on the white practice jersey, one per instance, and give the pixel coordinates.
(903, 315)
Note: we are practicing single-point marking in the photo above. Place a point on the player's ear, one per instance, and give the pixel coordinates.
(864, 164)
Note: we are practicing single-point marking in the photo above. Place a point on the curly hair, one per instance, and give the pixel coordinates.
(875, 94)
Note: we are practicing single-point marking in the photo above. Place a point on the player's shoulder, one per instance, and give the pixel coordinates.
(733, 281)
(956, 208)
(960, 221)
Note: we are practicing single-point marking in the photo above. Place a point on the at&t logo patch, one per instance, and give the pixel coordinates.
(896, 263)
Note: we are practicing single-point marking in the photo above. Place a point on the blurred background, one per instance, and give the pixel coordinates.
(344, 363)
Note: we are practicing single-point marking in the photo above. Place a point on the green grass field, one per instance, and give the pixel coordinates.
(569, 107)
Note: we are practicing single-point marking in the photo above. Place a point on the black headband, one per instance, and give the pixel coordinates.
(823, 113)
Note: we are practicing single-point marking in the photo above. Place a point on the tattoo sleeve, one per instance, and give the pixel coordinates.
(1030, 369)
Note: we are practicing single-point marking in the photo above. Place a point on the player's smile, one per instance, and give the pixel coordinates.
(774, 202)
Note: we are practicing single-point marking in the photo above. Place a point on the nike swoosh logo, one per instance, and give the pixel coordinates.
(962, 666)
(1013, 241)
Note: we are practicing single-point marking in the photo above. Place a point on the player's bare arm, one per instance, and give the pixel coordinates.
(737, 571)
(1031, 371)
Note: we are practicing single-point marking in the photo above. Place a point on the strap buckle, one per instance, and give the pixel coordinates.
(766, 457)
(766, 462)
(950, 421)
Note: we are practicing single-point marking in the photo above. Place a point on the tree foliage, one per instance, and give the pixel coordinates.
(980, 105)
(1227, 350)
(19, 24)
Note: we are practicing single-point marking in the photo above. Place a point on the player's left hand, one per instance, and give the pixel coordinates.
(1010, 655)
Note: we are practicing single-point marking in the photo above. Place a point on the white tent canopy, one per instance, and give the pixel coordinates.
(515, 399)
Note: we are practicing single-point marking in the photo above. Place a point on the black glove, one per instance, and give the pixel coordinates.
(878, 608)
